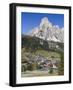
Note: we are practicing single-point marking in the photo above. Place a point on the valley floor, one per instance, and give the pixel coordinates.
(40, 62)
(38, 73)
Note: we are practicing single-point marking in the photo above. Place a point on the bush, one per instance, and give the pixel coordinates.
(24, 68)
(51, 71)
(29, 67)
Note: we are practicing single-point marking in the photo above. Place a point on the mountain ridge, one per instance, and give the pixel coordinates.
(47, 31)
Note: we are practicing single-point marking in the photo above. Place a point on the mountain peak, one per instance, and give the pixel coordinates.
(45, 20)
(45, 23)
(47, 31)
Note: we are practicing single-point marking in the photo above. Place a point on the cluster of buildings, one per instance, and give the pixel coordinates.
(43, 63)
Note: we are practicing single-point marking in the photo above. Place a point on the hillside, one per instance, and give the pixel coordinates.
(34, 43)
(40, 55)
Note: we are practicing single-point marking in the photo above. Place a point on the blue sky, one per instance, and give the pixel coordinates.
(31, 20)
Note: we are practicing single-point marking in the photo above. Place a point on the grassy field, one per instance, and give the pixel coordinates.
(44, 53)
(47, 53)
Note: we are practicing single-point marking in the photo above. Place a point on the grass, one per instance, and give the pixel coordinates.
(47, 53)
(41, 52)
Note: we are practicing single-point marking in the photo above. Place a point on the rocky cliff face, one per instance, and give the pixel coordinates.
(47, 31)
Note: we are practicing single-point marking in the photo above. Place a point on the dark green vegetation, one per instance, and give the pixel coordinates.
(61, 65)
(38, 53)
(34, 43)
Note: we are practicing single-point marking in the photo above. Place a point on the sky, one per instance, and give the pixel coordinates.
(32, 20)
